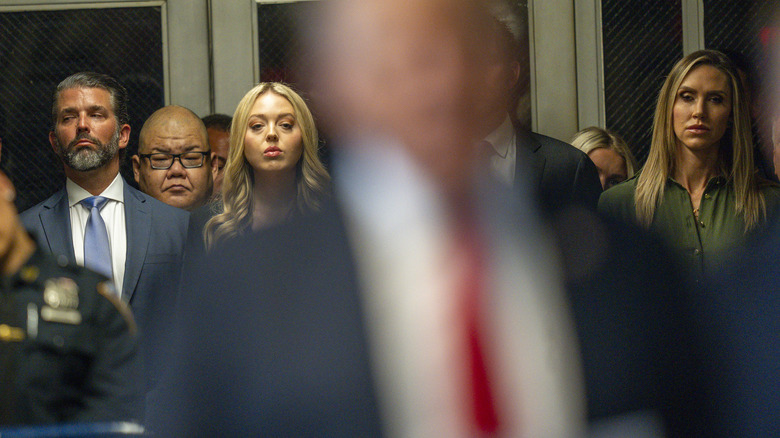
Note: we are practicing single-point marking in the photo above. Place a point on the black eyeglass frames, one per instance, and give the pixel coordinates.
(188, 160)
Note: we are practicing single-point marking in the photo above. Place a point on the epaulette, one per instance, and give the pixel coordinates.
(107, 289)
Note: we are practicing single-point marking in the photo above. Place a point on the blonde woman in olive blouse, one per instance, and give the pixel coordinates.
(699, 189)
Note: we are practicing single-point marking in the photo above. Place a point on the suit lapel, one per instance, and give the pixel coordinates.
(55, 221)
(528, 158)
(138, 220)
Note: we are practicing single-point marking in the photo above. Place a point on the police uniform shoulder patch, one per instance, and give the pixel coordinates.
(61, 292)
(61, 296)
(107, 289)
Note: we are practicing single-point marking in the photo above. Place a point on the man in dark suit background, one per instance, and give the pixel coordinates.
(561, 174)
(145, 237)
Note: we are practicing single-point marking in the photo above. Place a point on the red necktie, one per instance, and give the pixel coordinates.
(484, 415)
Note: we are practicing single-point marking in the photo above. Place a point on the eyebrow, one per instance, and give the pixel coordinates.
(90, 109)
(263, 116)
(686, 88)
(156, 149)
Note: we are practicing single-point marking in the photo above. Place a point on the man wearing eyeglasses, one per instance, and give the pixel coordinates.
(174, 162)
(97, 220)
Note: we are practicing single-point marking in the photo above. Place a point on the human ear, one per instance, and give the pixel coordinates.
(136, 167)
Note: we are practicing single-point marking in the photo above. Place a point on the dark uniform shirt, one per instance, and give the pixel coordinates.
(67, 347)
(702, 242)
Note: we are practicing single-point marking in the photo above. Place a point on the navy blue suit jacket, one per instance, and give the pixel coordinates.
(280, 344)
(274, 342)
(738, 327)
(156, 233)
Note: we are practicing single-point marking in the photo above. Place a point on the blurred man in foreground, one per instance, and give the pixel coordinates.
(776, 144)
(411, 306)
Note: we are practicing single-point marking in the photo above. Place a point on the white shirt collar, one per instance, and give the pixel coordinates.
(114, 191)
(502, 137)
(378, 173)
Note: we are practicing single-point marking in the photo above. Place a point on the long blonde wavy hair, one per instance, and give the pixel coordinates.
(312, 179)
(735, 158)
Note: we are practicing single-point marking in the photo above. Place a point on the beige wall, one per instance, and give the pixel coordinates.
(553, 68)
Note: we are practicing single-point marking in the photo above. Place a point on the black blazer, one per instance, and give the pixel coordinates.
(561, 174)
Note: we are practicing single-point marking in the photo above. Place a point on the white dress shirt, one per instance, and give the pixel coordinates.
(504, 142)
(113, 214)
(403, 243)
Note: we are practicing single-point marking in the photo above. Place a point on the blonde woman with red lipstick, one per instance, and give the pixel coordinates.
(273, 170)
(699, 189)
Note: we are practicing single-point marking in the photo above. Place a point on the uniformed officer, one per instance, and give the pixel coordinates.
(67, 344)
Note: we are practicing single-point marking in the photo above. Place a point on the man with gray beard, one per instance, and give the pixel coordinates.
(97, 220)
(85, 159)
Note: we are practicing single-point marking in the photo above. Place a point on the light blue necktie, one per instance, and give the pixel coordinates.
(97, 252)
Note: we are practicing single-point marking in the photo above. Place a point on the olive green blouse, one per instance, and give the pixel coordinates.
(700, 243)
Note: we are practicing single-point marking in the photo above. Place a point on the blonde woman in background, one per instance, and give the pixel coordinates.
(608, 152)
(273, 170)
(699, 188)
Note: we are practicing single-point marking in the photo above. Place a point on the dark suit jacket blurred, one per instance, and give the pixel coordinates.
(632, 311)
(738, 332)
(304, 369)
(279, 346)
(561, 174)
